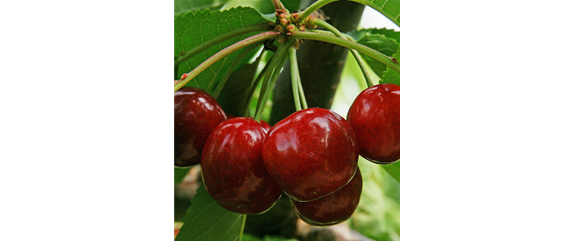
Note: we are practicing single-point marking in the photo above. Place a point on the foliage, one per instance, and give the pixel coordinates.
(206, 220)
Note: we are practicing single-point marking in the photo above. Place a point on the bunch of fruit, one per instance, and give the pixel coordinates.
(311, 155)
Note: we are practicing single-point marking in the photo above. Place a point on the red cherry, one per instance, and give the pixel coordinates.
(196, 114)
(376, 119)
(311, 153)
(233, 170)
(334, 208)
(263, 123)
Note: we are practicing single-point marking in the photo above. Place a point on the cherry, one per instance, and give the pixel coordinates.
(196, 114)
(311, 153)
(263, 123)
(233, 170)
(334, 208)
(375, 118)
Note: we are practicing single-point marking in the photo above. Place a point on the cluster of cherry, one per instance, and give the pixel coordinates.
(311, 155)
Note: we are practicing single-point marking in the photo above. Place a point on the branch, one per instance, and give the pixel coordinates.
(219, 39)
(349, 44)
(224, 52)
(362, 65)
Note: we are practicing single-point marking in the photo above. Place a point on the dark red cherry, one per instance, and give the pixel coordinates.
(233, 170)
(196, 114)
(376, 119)
(334, 208)
(311, 153)
(263, 123)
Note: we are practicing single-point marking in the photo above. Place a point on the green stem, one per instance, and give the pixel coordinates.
(348, 44)
(242, 226)
(320, 3)
(294, 78)
(362, 65)
(279, 5)
(253, 84)
(221, 83)
(265, 76)
(224, 52)
(274, 70)
(219, 39)
(302, 94)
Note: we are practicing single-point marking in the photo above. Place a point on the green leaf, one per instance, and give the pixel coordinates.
(394, 170)
(206, 220)
(263, 6)
(181, 6)
(193, 28)
(179, 173)
(389, 33)
(249, 237)
(390, 75)
(381, 43)
(389, 8)
(378, 214)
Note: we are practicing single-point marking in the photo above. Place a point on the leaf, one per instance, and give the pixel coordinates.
(181, 6)
(377, 215)
(179, 173)
(175, 77)
(385, 45)
(389, 8)
(193, 28)
(389, 33)
(263, 6)
(248, 237)
(394, 170)
(206, 220)
(390, 75)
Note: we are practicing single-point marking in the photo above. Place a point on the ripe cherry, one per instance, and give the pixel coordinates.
(233, 170)
(263, 123)
(334, 208)
(311, 153)
(196, 114)
(375, 117)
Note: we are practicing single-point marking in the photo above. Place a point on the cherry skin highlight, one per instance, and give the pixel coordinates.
(375, 117)
(334, 208)
(196, 114)
(311, 153)
(233, 170)
(263, 123)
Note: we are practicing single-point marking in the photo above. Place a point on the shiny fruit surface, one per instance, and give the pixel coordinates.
(196, 114)
(334, 208)
(311, 153)
(375, 117)
(233, 170)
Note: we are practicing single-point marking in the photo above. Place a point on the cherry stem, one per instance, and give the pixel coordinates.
(279, 5)
(268, 82)
(255, 81)
(224, 52)
(302, 94)
(362, 65)
(219, 39)
(320, 3)
(221, 84)
(312, 35)
(242, 226)
(294, 78)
